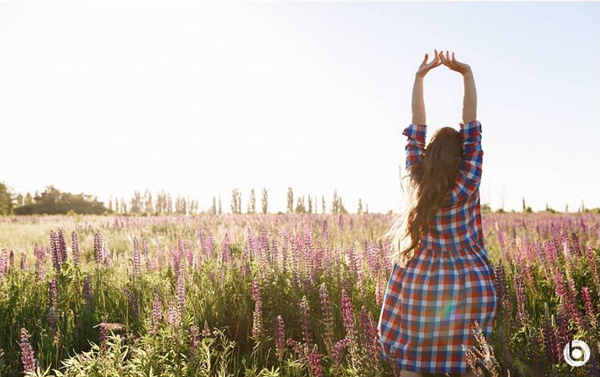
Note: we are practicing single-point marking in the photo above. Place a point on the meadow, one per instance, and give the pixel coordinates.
(269, 294)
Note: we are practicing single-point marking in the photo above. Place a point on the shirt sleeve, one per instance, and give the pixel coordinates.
(469, 177)
(415, 145)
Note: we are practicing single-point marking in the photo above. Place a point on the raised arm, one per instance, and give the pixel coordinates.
(469, 177)
(417, 130)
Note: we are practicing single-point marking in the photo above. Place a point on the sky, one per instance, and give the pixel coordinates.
(200, 98)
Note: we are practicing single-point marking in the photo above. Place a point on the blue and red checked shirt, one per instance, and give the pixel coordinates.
(458, 223)
(431, 303)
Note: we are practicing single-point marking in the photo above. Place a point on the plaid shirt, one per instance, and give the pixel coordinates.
(431, 303)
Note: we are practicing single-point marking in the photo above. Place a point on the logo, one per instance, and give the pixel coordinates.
(576, 353)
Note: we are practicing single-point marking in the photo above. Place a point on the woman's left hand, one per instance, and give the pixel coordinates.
(426, 67)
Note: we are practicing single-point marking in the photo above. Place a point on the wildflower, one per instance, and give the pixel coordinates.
(75, 248)
(27, 354)
(306, 333)
(280, 338)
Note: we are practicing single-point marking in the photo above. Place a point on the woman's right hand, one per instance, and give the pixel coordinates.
(454, 64)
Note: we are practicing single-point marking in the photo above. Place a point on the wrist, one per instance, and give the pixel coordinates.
(419, 76)
(468, 73)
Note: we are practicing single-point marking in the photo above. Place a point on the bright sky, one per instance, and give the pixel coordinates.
(200, 98)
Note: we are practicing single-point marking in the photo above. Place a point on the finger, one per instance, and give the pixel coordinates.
(453, 58)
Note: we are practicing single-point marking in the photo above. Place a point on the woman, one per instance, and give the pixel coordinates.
(442, 280)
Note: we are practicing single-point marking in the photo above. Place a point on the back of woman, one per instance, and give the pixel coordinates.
(442, 281)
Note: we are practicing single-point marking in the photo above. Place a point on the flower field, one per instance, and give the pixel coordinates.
(269, 295)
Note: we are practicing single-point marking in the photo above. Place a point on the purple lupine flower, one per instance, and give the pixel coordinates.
(225, 249)
(11, 260)
(106, 255)
(369, 335)
(53, 292)
(87, 292)
(564, 292)
(347, 312)
(324, 230)
(315, 365)
(338, 349)
(586, 296)
(550, 341)
(174, 315)
(305, 312)
(55, 248)
(521, 298)
(593, 263)
(181, 293)
(3, 262)
(194, 339)
(257, 320)
(298, 350)
(75, 248)
(52, 319)
(341, 221)
(327, 313)
(22, 264)
(133, 304)
(563, 333)
(137, 268)
(62, 245)
(576, 244)
(98, 247)
(280, 338)
(27, 354)
(156, 312)
(351, 223)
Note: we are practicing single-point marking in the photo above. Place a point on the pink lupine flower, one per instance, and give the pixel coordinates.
(521, 298)
(326, 313)
(174, 315)
(338, 350)
(369, 335)
(27, 354)
(75, 248)
(316, 368)
(156, 312)
(280, 338)
(347, 312)
(181, 293)
(194, 339)
(62, 245)
(136, 259)
(257, 320)
(98, 254)
(589, 307)
(305, 312)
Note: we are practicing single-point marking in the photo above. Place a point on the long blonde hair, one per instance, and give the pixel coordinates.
(429, 185)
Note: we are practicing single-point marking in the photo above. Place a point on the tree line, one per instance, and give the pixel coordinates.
(54, 201)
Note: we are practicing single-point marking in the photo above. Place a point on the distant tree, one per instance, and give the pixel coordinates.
(252, 203)
(53, 201)
(19, 200)
(136, 203)
(148, 203)
(6, 201)
(236, 201)
(290, 200)
(300, 208)
(323, 207)
(28, 199)
(310, 204)
(220, 208)
(265, 201)
(360, 207)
